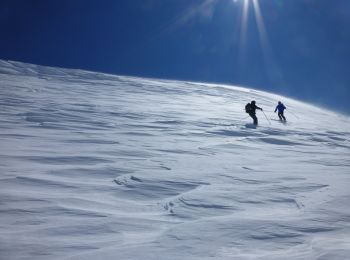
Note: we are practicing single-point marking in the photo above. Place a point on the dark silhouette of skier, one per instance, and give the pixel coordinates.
(251, 108)
(280, 107)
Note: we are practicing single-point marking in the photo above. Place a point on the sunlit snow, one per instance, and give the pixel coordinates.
(96, 166)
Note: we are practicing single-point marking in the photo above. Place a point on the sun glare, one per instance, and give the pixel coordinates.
(260, 24)
(246, 5)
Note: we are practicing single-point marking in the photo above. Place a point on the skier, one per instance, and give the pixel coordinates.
(280, 107)
(250, 108)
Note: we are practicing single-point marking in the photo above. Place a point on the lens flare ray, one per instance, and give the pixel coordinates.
(272, 69)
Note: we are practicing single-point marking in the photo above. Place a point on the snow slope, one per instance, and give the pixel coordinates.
(96, 166)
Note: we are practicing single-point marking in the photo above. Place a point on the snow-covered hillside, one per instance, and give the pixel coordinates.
(96, 166)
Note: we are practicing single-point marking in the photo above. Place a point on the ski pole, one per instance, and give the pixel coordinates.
(266, 117)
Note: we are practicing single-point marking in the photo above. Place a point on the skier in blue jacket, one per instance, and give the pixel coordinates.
(280, 107)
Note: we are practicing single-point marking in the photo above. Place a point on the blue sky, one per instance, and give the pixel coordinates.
(299, 48)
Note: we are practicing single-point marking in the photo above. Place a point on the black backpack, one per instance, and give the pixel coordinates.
(248, 108)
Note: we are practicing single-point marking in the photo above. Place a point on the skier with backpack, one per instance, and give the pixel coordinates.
(280, 107)
(251, 108)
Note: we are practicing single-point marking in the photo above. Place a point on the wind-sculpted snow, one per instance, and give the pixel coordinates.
(96, 166)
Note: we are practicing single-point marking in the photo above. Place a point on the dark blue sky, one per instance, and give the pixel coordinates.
(299, 48)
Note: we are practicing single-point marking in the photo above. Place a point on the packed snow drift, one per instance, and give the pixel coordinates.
(96, 166)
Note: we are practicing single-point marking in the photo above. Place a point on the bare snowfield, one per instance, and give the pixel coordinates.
(96, 166)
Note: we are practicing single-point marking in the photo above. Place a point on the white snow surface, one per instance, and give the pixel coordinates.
(96, 166)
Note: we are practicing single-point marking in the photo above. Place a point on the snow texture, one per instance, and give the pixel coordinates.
(96, 166)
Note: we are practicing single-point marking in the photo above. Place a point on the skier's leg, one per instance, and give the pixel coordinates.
(280, 115)
(255, 120)
(284, 118)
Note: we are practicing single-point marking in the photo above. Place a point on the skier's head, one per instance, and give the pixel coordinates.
(253, 102)
(279, 102)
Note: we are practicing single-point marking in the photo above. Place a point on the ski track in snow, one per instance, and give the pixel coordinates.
(96, 166)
